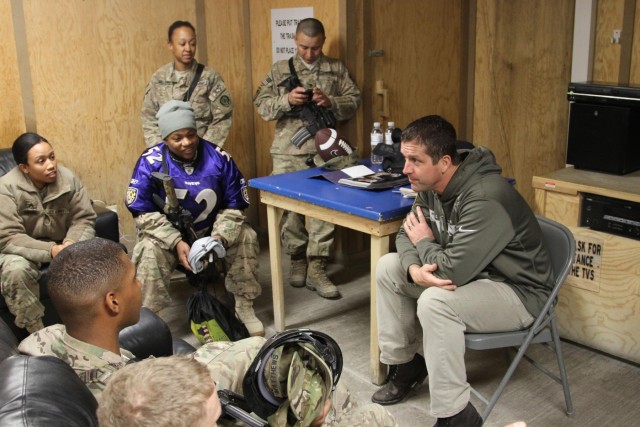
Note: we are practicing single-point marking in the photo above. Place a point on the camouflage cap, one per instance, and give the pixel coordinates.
(301, 377)
(339, 162)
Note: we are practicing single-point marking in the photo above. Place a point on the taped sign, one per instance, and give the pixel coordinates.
(587, 264)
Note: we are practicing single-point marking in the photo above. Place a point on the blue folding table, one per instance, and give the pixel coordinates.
(377, 213)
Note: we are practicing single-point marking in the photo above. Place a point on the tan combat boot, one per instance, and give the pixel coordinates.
(317, 279)
(244, 311)
(298, 272)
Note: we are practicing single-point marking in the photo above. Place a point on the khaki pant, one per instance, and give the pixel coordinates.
(20, 288)
(154, 266)
(403, 307)
(300, 234)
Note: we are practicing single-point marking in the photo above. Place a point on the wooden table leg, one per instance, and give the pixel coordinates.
(274, 215)
(379, 247)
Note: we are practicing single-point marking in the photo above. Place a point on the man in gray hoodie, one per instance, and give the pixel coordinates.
(470, 258)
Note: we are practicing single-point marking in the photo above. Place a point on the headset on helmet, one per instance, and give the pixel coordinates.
(260, 394)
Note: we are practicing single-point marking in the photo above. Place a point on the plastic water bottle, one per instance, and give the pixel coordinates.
(388, 133)
(376, 138)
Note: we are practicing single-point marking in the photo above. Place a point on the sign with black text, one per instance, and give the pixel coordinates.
(587, 264)
(283, 30)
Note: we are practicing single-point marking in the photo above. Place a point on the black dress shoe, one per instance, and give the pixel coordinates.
(468, 417)
(401, 380)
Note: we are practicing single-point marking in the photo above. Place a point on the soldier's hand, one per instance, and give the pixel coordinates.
(320, 98)
(297, 96)
(182, 251)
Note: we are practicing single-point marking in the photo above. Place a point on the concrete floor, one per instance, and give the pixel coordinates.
(604, 389)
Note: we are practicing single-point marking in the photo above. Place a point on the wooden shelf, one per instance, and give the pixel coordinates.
(598, 305)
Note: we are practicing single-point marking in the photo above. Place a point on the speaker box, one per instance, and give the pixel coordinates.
(604, 138)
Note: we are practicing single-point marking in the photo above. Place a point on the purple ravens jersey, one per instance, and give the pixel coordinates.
(213, 183)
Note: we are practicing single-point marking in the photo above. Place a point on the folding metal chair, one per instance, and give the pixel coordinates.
(561, 246)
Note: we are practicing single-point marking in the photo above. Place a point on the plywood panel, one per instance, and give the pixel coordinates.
(226, 53)
(229, 50)
(523, 57)
(12, 117)
(598, 304)
(90, 63)
(606, 315)
(634, 74)
(420, 67)
(606, 58)
(563, 208)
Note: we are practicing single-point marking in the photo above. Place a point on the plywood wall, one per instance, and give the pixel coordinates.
(522, 69)
(606, 62)
(421, 65)
(634, 75)
(229, 52)
(88, 62)
(12, 122)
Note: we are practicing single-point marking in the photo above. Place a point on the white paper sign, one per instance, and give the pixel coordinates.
(283, 30)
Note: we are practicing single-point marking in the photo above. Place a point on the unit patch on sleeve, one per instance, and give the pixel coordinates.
(132, 195)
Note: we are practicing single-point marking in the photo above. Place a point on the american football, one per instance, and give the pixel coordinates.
(330, 144)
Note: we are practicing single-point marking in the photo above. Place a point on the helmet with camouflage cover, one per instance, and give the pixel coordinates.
(292, 376)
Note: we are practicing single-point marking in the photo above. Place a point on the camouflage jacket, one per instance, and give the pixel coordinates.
(329, 74)
(211, 102)
(94, 365)
(32, 225)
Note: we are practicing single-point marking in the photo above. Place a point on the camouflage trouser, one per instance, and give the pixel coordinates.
(301, 234)
(20, 289)
(228, 361)
(155, 265)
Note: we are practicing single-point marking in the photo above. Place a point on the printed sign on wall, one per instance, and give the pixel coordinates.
(587, 264)
(283, 30)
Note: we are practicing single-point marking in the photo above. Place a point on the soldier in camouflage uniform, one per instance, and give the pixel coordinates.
(43, 208)
(208, 186)
(308, 241)
(139, 395)
(94, 289)
(211, 100)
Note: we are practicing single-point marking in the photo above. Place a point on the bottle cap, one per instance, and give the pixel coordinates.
(376, 124)
(391, 124)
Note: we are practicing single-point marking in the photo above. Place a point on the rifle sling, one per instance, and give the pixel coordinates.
(194, 82)
(292, 69)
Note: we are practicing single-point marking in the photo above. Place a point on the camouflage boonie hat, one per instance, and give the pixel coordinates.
(338, 163)
(301, 377)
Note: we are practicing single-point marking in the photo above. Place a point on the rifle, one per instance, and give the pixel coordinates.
(176, 214)
(311, 113)
(235, 406)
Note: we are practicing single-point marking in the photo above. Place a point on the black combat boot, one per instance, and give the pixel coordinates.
(400, 381)
(468, 417)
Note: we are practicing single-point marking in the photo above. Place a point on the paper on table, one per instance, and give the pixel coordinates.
(350, 172)
(357, 171)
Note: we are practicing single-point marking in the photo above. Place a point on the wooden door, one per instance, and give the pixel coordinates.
(414, 52)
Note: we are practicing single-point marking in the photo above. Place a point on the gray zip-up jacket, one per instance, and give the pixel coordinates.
(483, 229)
